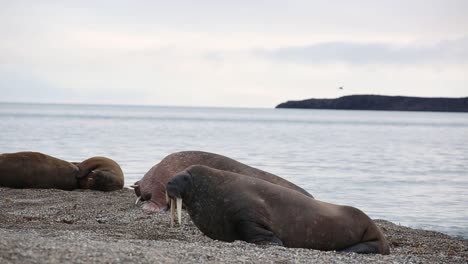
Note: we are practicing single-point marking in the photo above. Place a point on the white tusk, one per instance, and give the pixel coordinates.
(179, 210)
(134, 186)
(167, 198)
(172, 212)
(138, 199)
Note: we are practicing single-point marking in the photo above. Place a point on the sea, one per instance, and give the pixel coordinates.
(410, 168)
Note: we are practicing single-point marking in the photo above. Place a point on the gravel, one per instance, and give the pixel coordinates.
(82, 226)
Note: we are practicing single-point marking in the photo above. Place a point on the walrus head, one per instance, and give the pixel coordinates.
(176, 190)
(144, 195)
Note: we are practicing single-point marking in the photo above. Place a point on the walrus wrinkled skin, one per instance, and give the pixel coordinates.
(228, 206)
(100, 173)
(37, 170)
(151, 188)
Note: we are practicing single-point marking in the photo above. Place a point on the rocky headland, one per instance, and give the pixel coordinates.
(384, 103)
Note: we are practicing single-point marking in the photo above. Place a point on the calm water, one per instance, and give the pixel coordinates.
(406, 167)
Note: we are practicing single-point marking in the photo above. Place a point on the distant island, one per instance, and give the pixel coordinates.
(384, 103)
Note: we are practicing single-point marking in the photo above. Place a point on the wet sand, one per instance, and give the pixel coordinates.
(54, 226)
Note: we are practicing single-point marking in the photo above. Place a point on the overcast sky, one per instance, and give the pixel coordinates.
(230, 53)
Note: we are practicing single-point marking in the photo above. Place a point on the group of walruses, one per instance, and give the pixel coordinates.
(227, 200)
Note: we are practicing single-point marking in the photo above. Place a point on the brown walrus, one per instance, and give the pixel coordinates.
(100, 173)
(229, 206)
(38, 170)
(151, 188)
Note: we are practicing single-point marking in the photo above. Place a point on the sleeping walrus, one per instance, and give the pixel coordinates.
(38, 170)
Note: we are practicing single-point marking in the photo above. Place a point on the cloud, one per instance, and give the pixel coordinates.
(450, 51)
(229, 54)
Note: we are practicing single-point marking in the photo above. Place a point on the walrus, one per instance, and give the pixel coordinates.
(100, 173)
(38, 170)
(151, 188)
(229, 206)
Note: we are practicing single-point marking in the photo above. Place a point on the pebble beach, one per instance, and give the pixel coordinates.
(83, 226)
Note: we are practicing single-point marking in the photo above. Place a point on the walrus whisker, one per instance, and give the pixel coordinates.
(138, 199)
(179, 210)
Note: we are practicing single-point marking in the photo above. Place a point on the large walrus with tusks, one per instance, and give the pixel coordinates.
(229, 206)
(38, 170)
(151, 188)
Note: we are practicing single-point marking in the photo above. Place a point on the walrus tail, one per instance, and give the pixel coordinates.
(384, 248)
(375, 242)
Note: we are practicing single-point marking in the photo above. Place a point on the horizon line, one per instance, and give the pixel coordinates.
(129, 104)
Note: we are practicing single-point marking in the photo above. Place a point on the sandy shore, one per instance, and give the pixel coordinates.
(54, 226)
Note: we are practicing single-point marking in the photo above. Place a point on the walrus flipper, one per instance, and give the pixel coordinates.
(371, 247)
(253, 232)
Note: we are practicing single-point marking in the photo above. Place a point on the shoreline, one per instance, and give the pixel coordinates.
(82, 226)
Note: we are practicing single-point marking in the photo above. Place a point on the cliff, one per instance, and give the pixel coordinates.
(386, 103)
